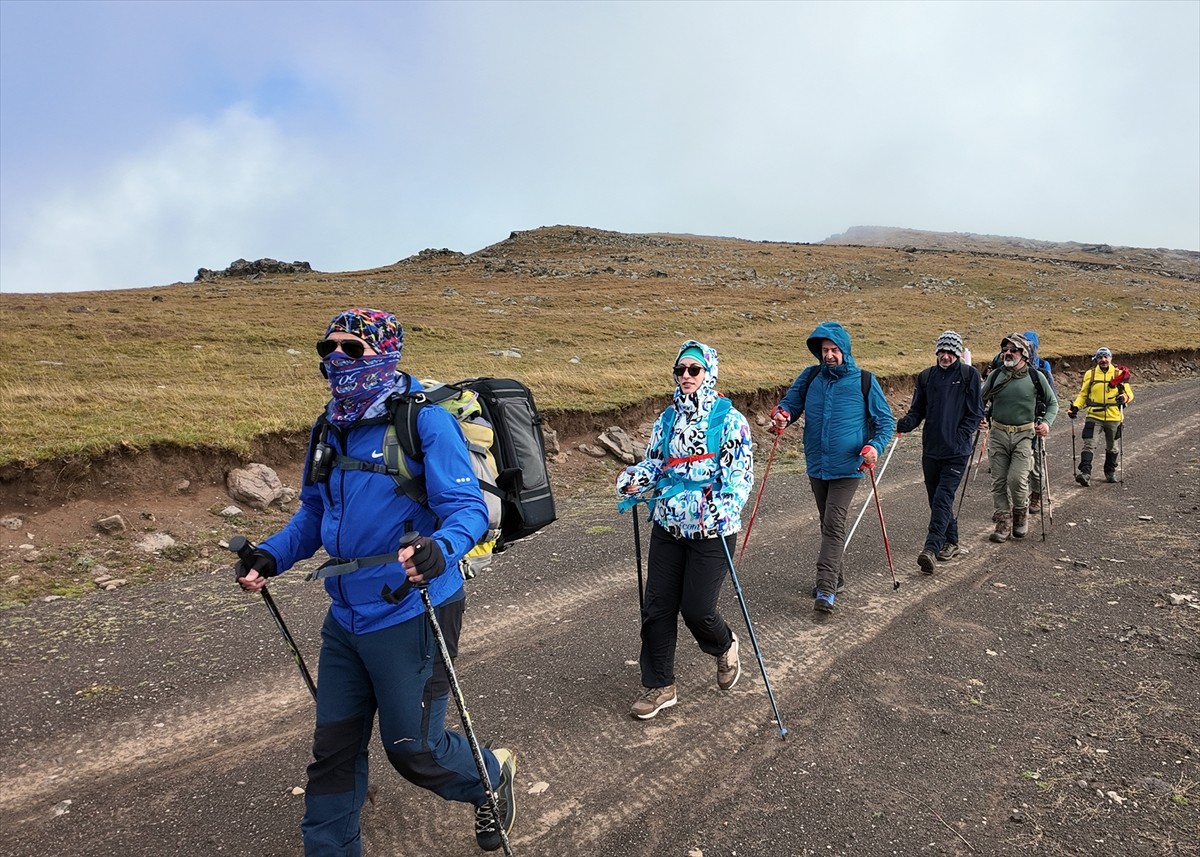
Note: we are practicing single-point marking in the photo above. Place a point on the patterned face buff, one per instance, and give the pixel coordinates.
(357, 384)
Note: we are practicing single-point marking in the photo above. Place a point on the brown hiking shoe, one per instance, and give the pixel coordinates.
(1020, 523)
(653, 700)
(729, 668)
(1035, 503)
(1001, 533)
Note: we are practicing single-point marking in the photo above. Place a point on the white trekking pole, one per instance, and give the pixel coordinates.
(867, 500)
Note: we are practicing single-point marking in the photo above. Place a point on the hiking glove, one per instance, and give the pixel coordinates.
(427, 558)
(1072, 411)
(260, 561)
(1120, 400)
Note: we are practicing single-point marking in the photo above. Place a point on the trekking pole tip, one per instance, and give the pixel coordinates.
(895, 585)
(783, 733)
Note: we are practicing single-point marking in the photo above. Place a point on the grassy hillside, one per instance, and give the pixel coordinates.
(215, 365)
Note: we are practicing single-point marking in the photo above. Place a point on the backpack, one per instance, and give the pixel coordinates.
(503, 433)
(866, 388)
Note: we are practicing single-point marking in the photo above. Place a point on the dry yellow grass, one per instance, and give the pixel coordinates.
(215, 365)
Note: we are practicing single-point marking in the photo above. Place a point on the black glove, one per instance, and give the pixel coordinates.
(1072, 412)
(1120, 400)
(260, 561)
(428, 558)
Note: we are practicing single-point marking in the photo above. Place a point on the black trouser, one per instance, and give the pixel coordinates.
(942, 478)
(683, 577)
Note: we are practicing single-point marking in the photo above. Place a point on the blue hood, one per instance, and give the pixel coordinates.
(837, 334)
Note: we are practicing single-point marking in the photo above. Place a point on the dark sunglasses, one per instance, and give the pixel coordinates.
(692, 370)
(1010, 350)
(352, 348)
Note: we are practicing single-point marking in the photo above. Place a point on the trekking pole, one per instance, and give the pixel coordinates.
(394, 597)
(737, 588)
(1041, 454)
(1047, 499)
(758, 499)
(967, 476)
(983, 447)
(883, 527)
(241, 546)
(867, 503)
(1121, 448)
(637, 546)
(1074, 457)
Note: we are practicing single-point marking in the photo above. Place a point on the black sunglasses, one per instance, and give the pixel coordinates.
(1010, 349)
(352, 348)
(692, 370)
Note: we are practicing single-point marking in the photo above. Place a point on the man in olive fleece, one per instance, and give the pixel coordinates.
(1021, 406)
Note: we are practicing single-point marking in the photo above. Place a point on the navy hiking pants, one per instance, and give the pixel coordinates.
(942, 478)
(399, 672)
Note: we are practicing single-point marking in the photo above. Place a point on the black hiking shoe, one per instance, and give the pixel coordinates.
(487, 825)
(823, 602)
(1083, 478)
(948, 552)
(925, 560)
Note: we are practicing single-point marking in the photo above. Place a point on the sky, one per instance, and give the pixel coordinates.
(140, 141)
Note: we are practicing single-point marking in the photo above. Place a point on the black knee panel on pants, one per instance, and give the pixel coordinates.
(335, 749)
(420, 769)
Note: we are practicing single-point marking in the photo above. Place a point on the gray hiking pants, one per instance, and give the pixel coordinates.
(833, 497)
(1010, 460)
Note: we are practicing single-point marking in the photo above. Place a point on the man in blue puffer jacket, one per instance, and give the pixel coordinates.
(377, 653)
(844, 432)
(946, 398)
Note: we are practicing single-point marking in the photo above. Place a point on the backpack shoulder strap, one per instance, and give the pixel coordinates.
(866, 385)
(716, 423)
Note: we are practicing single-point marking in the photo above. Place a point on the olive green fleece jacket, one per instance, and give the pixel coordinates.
(1012, 397)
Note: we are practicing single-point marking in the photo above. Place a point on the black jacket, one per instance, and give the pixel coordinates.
(948, 402)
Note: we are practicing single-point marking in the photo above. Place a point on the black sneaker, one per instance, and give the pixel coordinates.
(948, 552)
(841, 585)
(925, 560)
(487, 826)
(1083, 478)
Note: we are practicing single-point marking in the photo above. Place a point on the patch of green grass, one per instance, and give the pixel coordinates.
(598, 530)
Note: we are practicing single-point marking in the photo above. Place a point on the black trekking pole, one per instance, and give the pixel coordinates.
(967, 476)
(1121, 447)
(241, 546)
(883, 527)
(637, 546)
(1074, 457)
(737, 588)
(394, 597)
(1041, 454)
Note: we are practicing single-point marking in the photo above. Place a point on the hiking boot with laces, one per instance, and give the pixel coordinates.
(823, 602)
(729, 668)
(925, 560)
(1002, 525)
(841, 584)
(653, 700)
(487, 825)
(948, 552)
(1020, 523)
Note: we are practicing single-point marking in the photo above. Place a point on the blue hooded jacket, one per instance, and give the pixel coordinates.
(837, 423)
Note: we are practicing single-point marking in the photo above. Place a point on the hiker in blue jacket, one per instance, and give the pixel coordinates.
(375, 654)
(699, 469)
(946, 398)
(847, 424)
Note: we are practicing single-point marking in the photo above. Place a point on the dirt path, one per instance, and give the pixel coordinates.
(1031, 697)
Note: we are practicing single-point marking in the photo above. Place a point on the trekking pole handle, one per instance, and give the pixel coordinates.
(244, 548)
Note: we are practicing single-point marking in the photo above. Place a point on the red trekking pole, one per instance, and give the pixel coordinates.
(883, 527)
(758, 499)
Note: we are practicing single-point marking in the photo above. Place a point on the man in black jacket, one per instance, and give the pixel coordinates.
(946, 397)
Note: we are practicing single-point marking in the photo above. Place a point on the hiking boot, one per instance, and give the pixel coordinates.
(729, 668)
(487, 825)
(823, 602)
(1020, 523)
(841, 584)
(1109, 476)
(1083, 478)
(1035, 503)
(1001, 533)
(925, 560)
(653, 700)
(948, 552)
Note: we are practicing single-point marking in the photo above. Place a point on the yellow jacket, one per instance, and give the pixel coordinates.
(1100, 396)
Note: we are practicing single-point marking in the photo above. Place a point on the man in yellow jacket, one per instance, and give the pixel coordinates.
(1105, 393)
